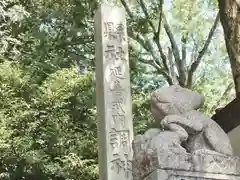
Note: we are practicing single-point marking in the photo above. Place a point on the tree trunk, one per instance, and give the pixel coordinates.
(230, 19)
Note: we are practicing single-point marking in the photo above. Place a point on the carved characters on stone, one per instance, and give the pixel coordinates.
(114, 31)
(176, 109)
(119, 136)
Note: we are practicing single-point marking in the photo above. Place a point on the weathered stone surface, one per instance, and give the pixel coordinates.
(191, 146)
(211, 134)
(160, 174)
(114, 105)
(148, 161)
(161, 141)
(177, 105)
(174, 100)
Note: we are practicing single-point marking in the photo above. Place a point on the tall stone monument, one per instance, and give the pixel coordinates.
(114, 105)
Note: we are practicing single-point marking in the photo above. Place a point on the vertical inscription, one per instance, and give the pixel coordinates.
(114, 31)
(116, 72)
(115, 129)
(122, 164)
(119, 138)
(115, 54)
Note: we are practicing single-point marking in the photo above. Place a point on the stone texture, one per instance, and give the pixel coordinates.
(114, 106)
(211, 134)
(174, 100)
(183, 175)
(191, 146)
(177, 105)
(153, 163)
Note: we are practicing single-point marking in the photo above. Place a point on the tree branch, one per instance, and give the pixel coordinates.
(172, 40)
(196, 63)
(225, 93)
(133, 35)
(163, 56)
(172, 70)
(156, 33)
(167, 77)
(176, 53)
(157, 40)
(139, 39)
(152, 63)
(154, 55)
(193, 50)
(124, 3)
(146, 43)
(160, 17)
(184, 49)
(148, 47)
(159, 70)
(147, 15)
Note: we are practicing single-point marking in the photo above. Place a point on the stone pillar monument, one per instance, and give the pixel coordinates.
(114, 105)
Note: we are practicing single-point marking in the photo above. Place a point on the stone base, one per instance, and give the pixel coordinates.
(153, 165)
(160, 174)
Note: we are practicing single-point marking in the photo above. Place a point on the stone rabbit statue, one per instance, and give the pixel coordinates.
(179, 106)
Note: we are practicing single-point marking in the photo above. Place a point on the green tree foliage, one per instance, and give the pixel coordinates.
(47, 86)
(182, 43)
(174, 43)
(49, 131)
(12, 14)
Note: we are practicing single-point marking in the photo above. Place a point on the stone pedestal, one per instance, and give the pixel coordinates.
(152, 164)
(160, 174)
